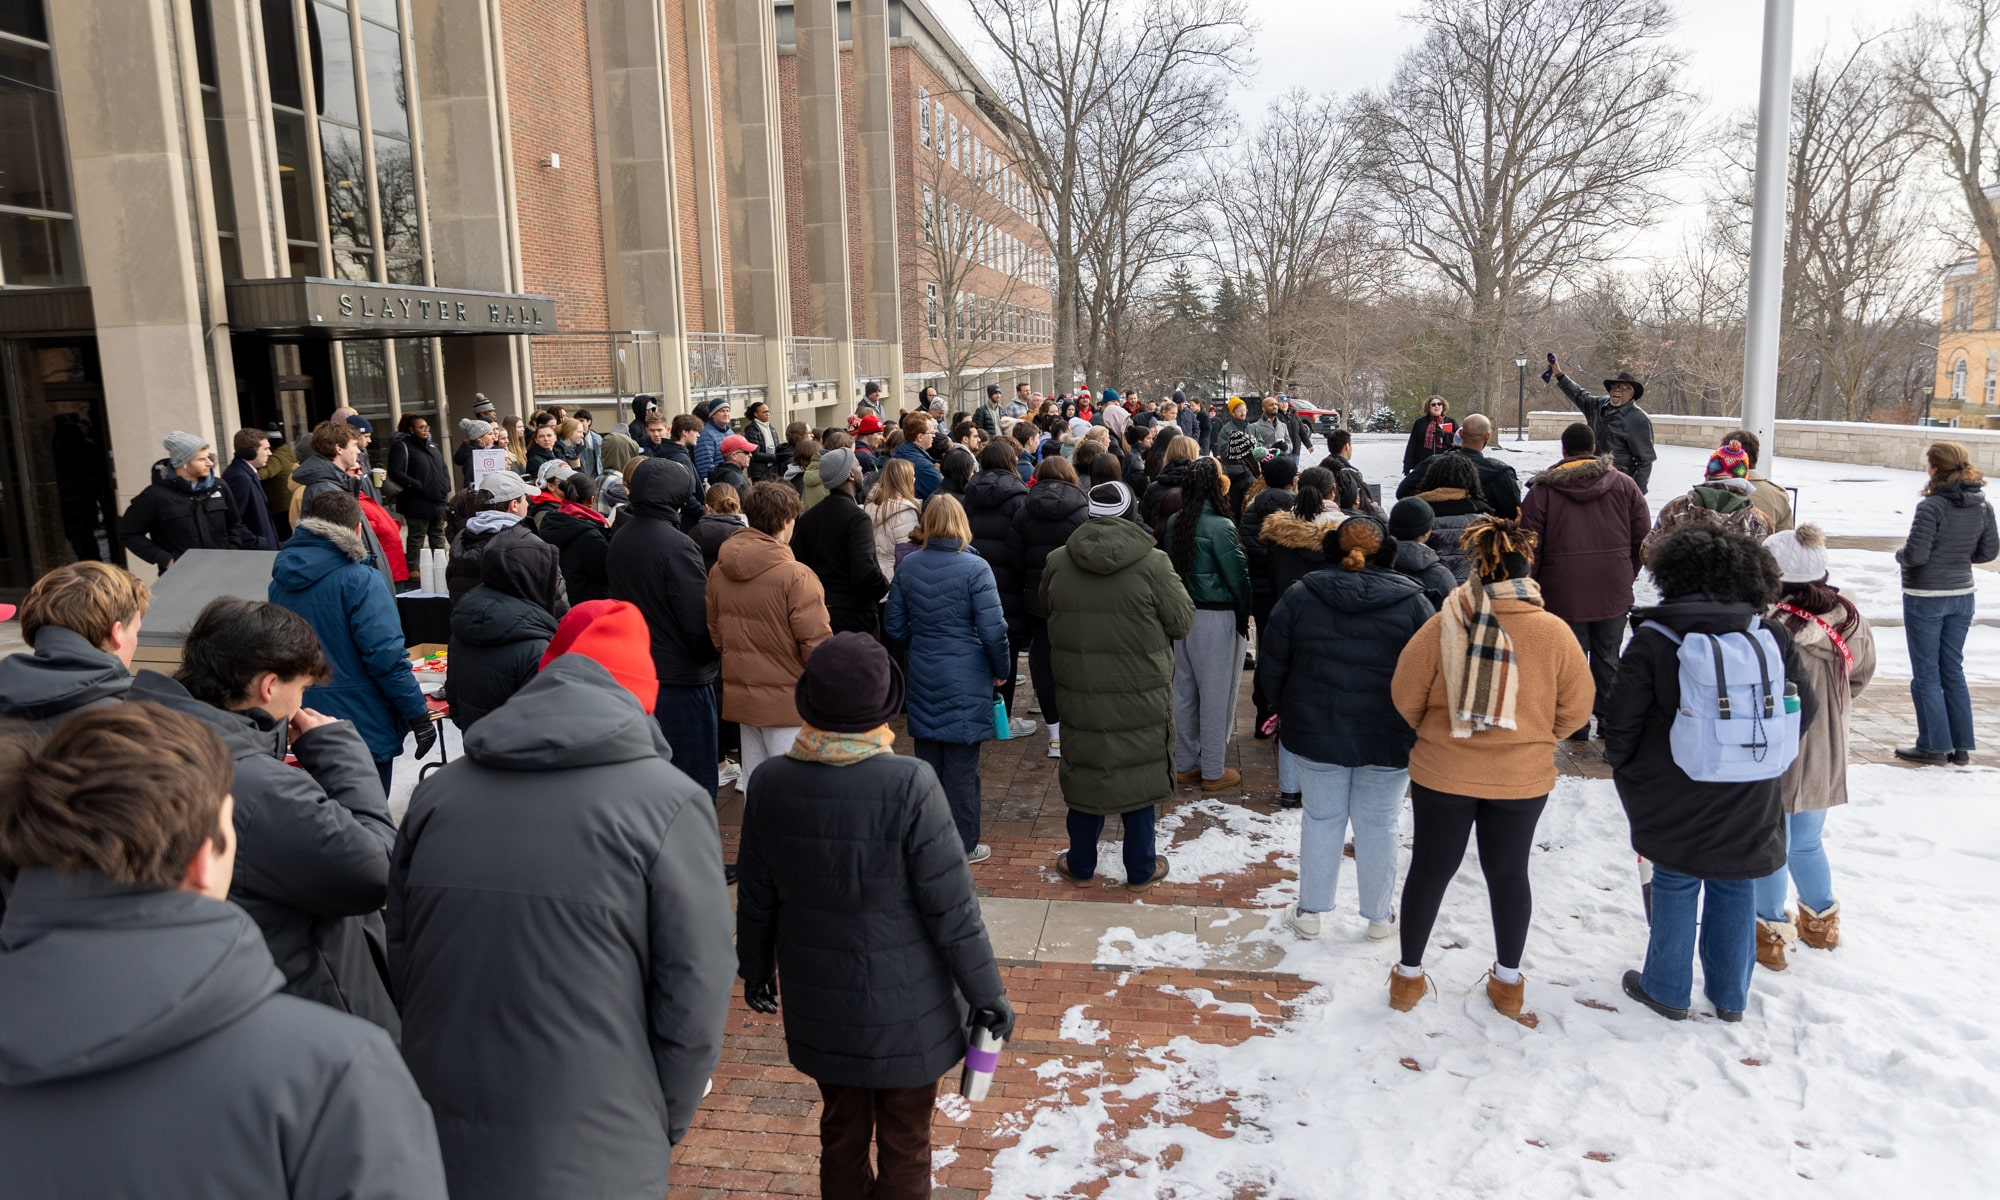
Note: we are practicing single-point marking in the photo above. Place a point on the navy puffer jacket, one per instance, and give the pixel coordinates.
(992, 501)
(944, 606)
(1052, 511)
(1328, 658)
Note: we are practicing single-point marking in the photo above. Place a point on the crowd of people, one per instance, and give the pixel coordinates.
(520, 989)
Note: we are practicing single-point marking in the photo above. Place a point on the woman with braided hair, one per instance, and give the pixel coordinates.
(1490, 684)
(1208, 556)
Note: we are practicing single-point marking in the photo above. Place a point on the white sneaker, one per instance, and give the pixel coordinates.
(727, 773)
(1305, 924)
(1055, 747)
(1020, 726)
(980, 853)
(1034, 704)
(1382, 930)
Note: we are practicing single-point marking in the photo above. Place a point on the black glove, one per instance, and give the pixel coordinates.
(427, 735)
(1003, 1025)
(763, 997)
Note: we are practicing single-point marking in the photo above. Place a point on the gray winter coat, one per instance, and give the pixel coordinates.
(66, 675)
(559, 941)
(1952, 530)
(146, 1052)
(312, 852)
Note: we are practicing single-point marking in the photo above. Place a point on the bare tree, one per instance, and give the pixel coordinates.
(1951, 66)
(1520, 143)
(972, 273)
(1284, 204)
(1103, 99)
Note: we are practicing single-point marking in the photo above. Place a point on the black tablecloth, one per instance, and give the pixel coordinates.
(425, 619)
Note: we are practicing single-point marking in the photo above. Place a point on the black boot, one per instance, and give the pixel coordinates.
(1637, 991)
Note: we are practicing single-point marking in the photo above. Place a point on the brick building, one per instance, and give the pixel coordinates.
(226, 213)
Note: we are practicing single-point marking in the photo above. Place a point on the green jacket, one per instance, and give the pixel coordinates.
(1220, 574)
(1115, 608)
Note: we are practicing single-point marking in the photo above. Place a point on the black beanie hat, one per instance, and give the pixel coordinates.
(1280, 471)
(850, 685)
(1411, 519)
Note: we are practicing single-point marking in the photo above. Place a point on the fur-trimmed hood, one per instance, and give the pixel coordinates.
(347, 540)
(1573, 473)
(1293, 532)
(315, 550)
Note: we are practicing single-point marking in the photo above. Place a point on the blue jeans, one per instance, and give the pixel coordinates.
(687, 719)
(1935, 627)
(1288, 771)
(1805, 863)
(1084, 829)
(1728, 940)
(1370, 797)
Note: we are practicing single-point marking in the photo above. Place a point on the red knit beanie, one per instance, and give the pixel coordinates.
(613, 634)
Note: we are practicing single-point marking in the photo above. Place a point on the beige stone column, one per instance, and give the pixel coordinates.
(746, 46)
(458, 98)
(823, 167)
(875, 126)
(636, 183)
(243, 89)
(702, 119)
(127, 143)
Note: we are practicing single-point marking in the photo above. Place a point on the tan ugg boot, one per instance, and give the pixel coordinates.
(1404, 991)
(1820, 930)
(1772, 937)
(1508, 998)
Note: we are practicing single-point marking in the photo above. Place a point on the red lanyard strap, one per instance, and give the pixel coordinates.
(1839, 643)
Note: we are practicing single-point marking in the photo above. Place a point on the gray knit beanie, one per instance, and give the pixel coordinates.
(182, 447)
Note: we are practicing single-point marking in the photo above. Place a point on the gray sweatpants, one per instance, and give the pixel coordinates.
(1208, 666)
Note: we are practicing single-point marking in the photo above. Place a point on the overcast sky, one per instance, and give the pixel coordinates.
(1349, 45)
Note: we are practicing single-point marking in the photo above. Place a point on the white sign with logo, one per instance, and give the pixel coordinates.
(487, 460)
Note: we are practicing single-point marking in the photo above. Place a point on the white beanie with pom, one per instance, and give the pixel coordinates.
(1801, 554)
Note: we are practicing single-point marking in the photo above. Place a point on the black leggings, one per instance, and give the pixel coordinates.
(1506, 834)
(1040, 672)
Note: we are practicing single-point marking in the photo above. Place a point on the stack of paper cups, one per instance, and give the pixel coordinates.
(427, 568)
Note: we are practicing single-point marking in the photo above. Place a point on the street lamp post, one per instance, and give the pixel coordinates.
(1521, 402)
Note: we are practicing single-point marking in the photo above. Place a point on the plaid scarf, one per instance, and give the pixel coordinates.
(840, 749)
(1480, 681)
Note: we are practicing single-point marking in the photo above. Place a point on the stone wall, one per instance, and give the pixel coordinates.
(1900, 446)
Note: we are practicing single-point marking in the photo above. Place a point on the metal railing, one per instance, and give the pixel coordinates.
(811, 362)
(873, 360)
(725, 363)
(599, 362)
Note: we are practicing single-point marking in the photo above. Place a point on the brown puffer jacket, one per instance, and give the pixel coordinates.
(766, 613)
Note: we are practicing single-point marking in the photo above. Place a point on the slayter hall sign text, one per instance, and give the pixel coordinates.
(403, 311)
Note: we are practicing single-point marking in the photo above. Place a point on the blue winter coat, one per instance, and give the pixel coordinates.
(708, 449)
(944, 605)
(929, 478)
(322, 575)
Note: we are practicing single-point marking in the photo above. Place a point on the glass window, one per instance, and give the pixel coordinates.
(38, 251)
(388, 103)
(930, 215)
(281, 56)
(380, 10)
(367, 378)
(24, 19)
(923, 116)
(413, 374)
(33, 171)
(333, 63)
(346, 186)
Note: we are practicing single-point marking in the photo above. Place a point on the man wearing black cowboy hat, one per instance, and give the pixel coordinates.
(1622, 428)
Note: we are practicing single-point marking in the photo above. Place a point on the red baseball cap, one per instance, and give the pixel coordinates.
(867, 425)
(737, 441)
(613, 634)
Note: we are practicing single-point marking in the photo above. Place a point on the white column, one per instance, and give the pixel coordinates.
(1767, 229)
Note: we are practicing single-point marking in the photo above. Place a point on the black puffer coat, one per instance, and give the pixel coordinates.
(1708, 830)
(1454, 510)
(1418, 561)
(172, 517)
(835, 540)
(1165, 490)
(992, 500)
(501, 628)
(657, 567)
(312, 851)
(852, 886)
(1248, 528)
(461, 563)
(585, 547)
(1328, 657)
(1952, 530)
(714, 529)
(1052, 511)
(416, 466)
(64, 677)
(559, 943)
(1295, 547)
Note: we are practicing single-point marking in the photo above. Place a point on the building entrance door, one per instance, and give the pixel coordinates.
(57, 489)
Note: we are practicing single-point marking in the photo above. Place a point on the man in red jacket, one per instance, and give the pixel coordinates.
(1592, 520)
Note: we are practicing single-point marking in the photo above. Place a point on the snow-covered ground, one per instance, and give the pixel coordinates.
(1843, 499)
(1873, 1070)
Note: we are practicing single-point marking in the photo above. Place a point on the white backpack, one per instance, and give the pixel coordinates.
(1738, 719)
